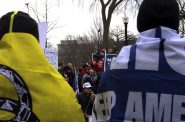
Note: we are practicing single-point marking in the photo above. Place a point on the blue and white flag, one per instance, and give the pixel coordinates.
(146, 82)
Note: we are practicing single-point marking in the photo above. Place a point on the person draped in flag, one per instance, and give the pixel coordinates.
(31, 89)
(146, 81)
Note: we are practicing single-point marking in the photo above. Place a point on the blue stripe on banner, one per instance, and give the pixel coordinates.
(163, 65)
(132, 58)
(158, 32)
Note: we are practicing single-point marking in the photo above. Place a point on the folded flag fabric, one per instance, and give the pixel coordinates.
(31, 89)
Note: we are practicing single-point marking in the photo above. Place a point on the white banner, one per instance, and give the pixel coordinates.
(52, 56)
(42, 26)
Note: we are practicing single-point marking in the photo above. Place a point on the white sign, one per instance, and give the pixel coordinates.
(52, 56)
(43, 26)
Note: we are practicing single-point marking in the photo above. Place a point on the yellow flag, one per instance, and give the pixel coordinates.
(31, 89)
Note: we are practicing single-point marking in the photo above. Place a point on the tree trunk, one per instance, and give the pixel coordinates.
(106, 36)
(107, 19)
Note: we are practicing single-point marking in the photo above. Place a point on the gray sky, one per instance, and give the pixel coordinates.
(73, 19)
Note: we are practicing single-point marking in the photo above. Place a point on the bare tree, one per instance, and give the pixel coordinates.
(96, 33)
(117, 36)
(44, 13)
(76, 50)
(106, 18)
(108, 7)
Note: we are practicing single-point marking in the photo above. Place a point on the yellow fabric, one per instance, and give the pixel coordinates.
(53, 100)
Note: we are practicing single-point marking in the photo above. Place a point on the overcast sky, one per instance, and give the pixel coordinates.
(73, 20)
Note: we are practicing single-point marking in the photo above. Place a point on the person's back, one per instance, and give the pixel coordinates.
(31, 89)
(146, 81)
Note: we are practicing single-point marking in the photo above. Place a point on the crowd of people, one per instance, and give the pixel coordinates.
(144, 83)
(87, 73)
(84, 81)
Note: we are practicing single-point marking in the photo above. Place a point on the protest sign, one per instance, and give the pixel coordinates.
(52, 56)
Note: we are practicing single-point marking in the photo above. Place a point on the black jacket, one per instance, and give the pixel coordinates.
(85, 102)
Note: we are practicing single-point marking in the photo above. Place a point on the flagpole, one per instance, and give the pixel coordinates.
(105, 59)
(76, 88)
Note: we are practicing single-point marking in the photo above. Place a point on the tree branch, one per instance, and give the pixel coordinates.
(107, 3)
(119, 2)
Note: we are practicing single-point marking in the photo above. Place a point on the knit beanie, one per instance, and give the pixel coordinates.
(22, 23)
(155, 13)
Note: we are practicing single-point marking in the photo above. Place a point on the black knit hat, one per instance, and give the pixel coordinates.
(22, 23)
(155, 13)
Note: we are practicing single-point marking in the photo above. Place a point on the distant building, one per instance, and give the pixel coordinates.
(65, 50)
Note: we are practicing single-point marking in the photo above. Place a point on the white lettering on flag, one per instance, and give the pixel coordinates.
(104, 104)
(158, 107)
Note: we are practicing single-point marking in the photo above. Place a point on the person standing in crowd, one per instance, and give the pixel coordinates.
(145, 82)
(31, 89)
(91, 77)
(82, 72)
(60, 67)
(68, 73)
(110, 51)
(98, 65)
(86, 99)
